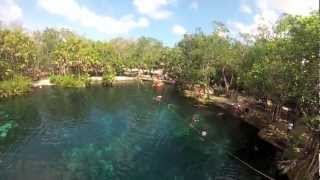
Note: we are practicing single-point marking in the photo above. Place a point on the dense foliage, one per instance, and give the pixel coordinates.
(109, 76)
(70, 80)
(17, 53)
(281, 65)
(18, 85)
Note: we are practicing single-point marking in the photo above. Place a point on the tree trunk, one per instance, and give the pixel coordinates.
(307, 166)
(278, 115)
(231, 80)
(226, 83)
(274, 112)
(265, 104)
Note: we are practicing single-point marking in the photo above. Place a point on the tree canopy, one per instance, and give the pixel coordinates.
(281, 64)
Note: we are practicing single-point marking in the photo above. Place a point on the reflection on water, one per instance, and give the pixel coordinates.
(122, 133)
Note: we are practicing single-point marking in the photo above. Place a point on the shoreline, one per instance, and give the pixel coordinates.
(94, 79)
(273, 132)
(263, 124)
(98, 79)
(257, 118)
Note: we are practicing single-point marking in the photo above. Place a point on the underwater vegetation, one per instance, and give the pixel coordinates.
(5, 124)
(89, 162)
(5, 128)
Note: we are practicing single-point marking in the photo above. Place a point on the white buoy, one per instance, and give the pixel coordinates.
(204, 133)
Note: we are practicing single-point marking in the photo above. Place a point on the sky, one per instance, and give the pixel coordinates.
(165, 20)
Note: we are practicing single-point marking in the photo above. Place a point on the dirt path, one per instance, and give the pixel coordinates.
(98, 79)
(117, 78)
(43, 82)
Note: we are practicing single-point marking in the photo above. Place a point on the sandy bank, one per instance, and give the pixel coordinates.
(43, 82)
(97, 79)
(46, 82)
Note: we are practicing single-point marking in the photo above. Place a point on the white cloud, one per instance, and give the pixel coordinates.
(10, 11)
(194, 5)
(155, 9)
(246, 9)
(179, 30)
(296, 7)
(270, 10)
(75, 12)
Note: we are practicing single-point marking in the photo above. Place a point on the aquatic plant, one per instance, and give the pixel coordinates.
(70, 80)
(109, 76)
(183, 132)
(3, 115)
(90, 161)
(18, 85)
(5, 128)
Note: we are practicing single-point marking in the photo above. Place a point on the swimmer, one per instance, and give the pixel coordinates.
(220, 114)
(171, 107)
(158, 98)
(195, 118)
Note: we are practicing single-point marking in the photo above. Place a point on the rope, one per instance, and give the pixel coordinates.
(170, 107)
(237, 158)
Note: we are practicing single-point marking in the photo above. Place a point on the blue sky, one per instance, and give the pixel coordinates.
(166, 20)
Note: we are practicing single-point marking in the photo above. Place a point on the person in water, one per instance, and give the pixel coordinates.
(157, 82)
(172, 107)
(195, 118)
(158, 98)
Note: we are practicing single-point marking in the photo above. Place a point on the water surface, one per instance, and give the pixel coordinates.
(122, 133)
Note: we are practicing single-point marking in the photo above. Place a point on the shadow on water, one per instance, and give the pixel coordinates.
(122, 133)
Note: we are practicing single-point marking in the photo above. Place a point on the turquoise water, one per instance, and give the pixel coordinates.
(122, 133)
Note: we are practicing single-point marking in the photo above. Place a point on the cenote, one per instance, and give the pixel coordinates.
(122, 133)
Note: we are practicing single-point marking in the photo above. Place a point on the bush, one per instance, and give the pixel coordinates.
(109, 76)
(19, 85)
(70, 80)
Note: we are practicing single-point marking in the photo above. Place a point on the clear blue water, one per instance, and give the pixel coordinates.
(122, 133)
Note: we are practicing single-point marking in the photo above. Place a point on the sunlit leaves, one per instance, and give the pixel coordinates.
(18, 85)
(17, 53)
(68, 81)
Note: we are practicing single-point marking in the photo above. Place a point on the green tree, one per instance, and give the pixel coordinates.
(17, 53)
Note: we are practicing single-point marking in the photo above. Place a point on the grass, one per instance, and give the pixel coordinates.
(19, 85)
(107, 79)
(109, 76)
(70, 80)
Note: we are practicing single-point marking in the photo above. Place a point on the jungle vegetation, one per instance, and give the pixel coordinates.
(281, 65)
